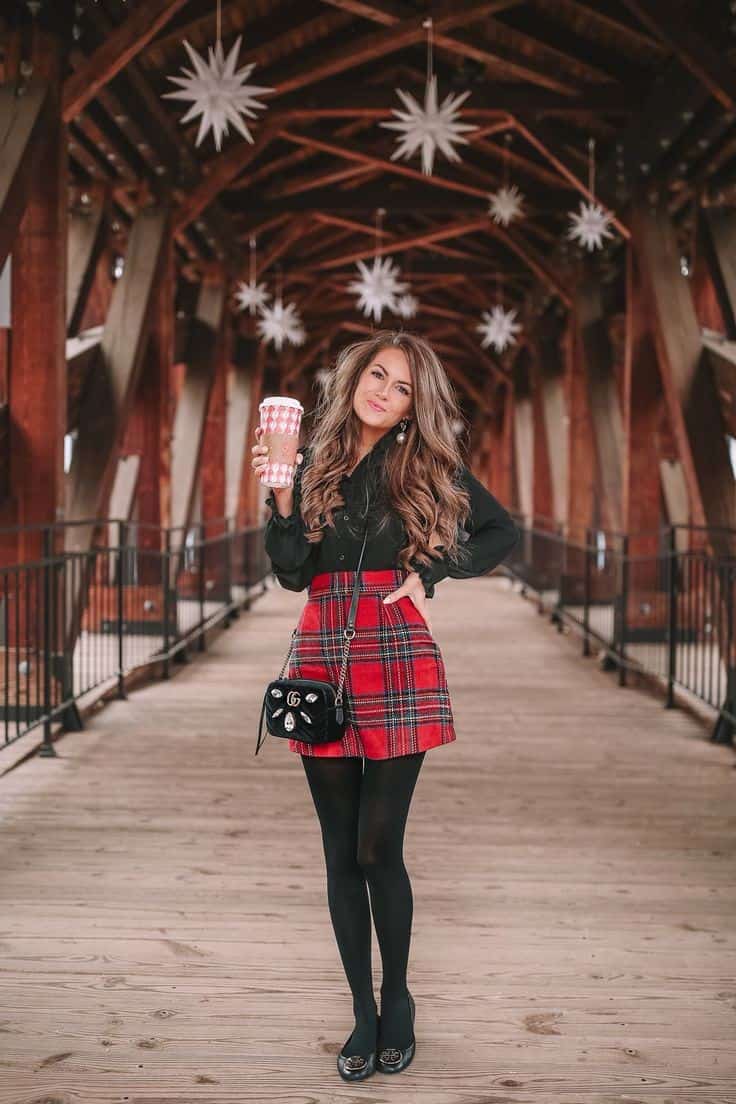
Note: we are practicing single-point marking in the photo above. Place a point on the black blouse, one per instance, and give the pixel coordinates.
(489, 532)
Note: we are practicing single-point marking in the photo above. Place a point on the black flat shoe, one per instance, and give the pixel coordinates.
(393, 1060)
(357, 1067)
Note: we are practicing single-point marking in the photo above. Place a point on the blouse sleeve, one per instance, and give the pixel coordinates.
(490, 533)
(292, 557)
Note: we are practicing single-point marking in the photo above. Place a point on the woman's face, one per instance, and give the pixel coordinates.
(384, 394)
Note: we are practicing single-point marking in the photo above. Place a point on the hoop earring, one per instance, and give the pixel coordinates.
(401, 435)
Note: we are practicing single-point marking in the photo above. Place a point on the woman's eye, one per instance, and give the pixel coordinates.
(375, 372)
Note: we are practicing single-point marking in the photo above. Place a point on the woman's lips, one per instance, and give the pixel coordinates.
(376, 406)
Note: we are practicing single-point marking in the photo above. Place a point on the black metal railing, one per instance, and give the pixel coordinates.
(72, 622)
(659, 602)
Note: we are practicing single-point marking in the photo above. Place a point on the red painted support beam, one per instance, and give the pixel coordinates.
(38, 379)
(582, 464)
(251, 492)
(27, 125)
(542, 485)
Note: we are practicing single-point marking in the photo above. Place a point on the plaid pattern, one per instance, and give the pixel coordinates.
(396, 696)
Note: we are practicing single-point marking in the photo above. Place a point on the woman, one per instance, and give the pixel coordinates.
(382, 434)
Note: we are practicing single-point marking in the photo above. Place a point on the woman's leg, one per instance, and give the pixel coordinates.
(386, 792)
(336, 786)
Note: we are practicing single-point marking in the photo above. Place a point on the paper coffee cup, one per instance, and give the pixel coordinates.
(281, 419)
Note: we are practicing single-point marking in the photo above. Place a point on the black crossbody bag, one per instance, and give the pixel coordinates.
(310, 710)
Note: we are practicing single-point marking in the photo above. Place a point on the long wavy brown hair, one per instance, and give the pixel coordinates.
(417, 480)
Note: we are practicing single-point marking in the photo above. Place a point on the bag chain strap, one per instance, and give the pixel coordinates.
(348, 632)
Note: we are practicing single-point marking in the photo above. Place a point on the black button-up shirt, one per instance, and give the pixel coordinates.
(489, 532)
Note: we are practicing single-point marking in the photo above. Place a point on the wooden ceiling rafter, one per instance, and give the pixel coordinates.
(696, 53)
(494, 34)
(574, 179)
(588, 19)
(369, 47)
(118, 49)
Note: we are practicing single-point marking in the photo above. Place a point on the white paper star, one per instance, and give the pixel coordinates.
(218, 93)
(251, 296)
(407, 306)
(590, 225)
(279, 323)
(498, 328)
(506, 205)
(378, 287)
(429, 127)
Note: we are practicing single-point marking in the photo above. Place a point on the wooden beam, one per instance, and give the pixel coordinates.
(719, 239)
(687, 375)
(706, 61)
(86, 240)
(343, 99)
(574, 178)
(22, 124)
(412, 241)
(220, 173)
(368, 48)
(550, 380)
(109, 396)
(581, 470)
(35, 147)
(191, 409)
(603, 398)
(119, 48)
(354, 152)
(239, 399)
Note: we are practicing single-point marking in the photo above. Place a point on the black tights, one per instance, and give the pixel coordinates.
(362, 814)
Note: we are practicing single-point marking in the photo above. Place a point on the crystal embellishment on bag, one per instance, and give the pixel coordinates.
(306, 716)
(276, 693)
(311, 698)
(289, 722)
(279, 711)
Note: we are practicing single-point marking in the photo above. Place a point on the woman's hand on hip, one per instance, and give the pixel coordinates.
(413, 587)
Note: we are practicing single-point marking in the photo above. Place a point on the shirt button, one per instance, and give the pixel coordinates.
(341, 556)
(345, 517)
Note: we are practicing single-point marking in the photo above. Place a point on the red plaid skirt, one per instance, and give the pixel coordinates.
(395, 695)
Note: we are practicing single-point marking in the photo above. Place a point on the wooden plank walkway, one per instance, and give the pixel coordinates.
(164, 931)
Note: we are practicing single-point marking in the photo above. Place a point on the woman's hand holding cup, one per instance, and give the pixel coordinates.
(283, 495)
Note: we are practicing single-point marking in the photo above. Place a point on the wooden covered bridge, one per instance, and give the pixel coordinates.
(201, 202)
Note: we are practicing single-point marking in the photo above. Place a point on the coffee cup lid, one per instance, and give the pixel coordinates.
(281, 400)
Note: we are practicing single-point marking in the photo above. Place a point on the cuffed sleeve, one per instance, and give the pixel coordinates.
(431, 573)
(489, 535)
(292, 556)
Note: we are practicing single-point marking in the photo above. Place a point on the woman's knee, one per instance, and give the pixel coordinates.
(377, 856)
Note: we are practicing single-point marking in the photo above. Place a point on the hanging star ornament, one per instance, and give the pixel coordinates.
(279, 323)
(407, 306)
(218, 92)
(251, 296)
(590, 225)
(378, 287)
(498, 328)
(429, 127)
(506, 205)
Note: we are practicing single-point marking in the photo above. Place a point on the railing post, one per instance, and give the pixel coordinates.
(671, 618)
(228, 575)
(47, 749)
(201, 642)
(122, 537)
(624, 599)
(723, 728)
(561, 574)
(586, 595)
(166, 584)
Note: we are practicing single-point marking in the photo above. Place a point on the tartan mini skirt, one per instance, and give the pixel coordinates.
(396, 697)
